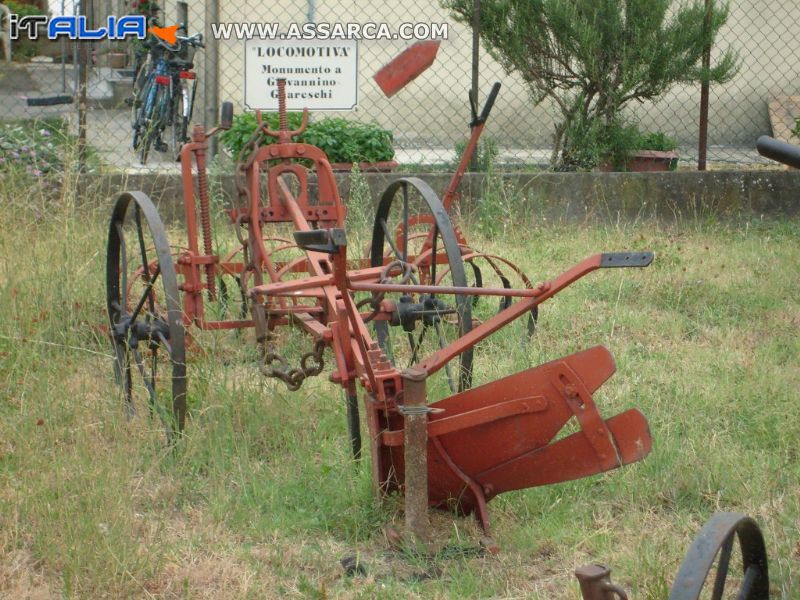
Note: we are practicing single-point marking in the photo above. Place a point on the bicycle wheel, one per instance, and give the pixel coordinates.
(179, 123)
(154, 126)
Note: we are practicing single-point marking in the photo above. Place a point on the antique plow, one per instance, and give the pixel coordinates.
(416, 301)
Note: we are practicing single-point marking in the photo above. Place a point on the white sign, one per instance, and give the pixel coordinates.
(320, 74)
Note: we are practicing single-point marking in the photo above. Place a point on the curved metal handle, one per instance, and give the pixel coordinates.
(613, 588)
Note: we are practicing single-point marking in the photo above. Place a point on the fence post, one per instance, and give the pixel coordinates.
(87, 10)
(211, 78)
(415, 455)
(476, 57)
(702, 145)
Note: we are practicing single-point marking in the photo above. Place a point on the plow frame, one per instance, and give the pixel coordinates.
(323, 304)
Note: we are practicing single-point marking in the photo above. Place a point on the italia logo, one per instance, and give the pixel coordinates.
(76, 28)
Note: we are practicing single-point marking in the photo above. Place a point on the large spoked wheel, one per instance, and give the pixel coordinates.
(713, 550)
(146, 323)
(412, 227)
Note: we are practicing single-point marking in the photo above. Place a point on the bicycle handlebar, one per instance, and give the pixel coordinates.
(787, 154)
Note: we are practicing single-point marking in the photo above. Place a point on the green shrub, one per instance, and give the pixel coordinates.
(596, 142)
(23, 9)
(343, 141)
(657, 141)
(244, 125)
(592, 58)
(349, 141)
(24, 48)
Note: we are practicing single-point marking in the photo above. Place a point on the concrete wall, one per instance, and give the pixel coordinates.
(604, 197)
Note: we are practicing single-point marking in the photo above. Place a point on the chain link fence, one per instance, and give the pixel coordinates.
(431, 115)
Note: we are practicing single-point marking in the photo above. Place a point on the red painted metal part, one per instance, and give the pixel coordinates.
(406, 67)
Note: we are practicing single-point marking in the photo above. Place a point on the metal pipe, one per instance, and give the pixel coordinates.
(443, 289)
(415, 455)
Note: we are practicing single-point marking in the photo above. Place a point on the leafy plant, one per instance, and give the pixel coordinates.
(36, 147)
(594, 57)
(342, 140)
(23, 9)
(245, 125)
(657, 141)
(597, 142)
(24, 47)
(486, 153)
(349, 141)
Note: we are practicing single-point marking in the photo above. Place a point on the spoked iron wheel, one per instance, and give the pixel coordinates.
(411, 226)
(715, 549)
(146, 322)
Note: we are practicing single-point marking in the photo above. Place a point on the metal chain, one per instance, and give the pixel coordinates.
(311, 363)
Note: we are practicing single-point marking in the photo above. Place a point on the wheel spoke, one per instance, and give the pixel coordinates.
(404, 258)
(751, 575)
(415, 346)
(447, 367)
(433, 257)
(151, 391)
(147, 294)
(722, 568)
(143, 250)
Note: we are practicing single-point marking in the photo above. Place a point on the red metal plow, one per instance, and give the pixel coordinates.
(502, 436)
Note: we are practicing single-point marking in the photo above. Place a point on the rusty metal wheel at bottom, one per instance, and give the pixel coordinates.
(712, 550)
(145, 318)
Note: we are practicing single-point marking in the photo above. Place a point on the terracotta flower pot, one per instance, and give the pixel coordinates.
(646, 161)
(117, 60)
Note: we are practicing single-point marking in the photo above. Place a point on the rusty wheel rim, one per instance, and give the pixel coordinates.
(712, 550)
(146, 323)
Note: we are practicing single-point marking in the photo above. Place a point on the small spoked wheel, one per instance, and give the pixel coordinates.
(740, 569)
(412, 228)
(145, 318)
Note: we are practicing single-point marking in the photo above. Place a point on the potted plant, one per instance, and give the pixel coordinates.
(117, 55)
(345, 142)
(592, 58)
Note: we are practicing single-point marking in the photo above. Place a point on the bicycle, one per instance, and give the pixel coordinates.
(162, 95)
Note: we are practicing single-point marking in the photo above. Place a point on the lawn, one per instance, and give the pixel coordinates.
(261, 499)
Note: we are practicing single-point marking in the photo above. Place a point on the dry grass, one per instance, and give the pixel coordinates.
(262, 500)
